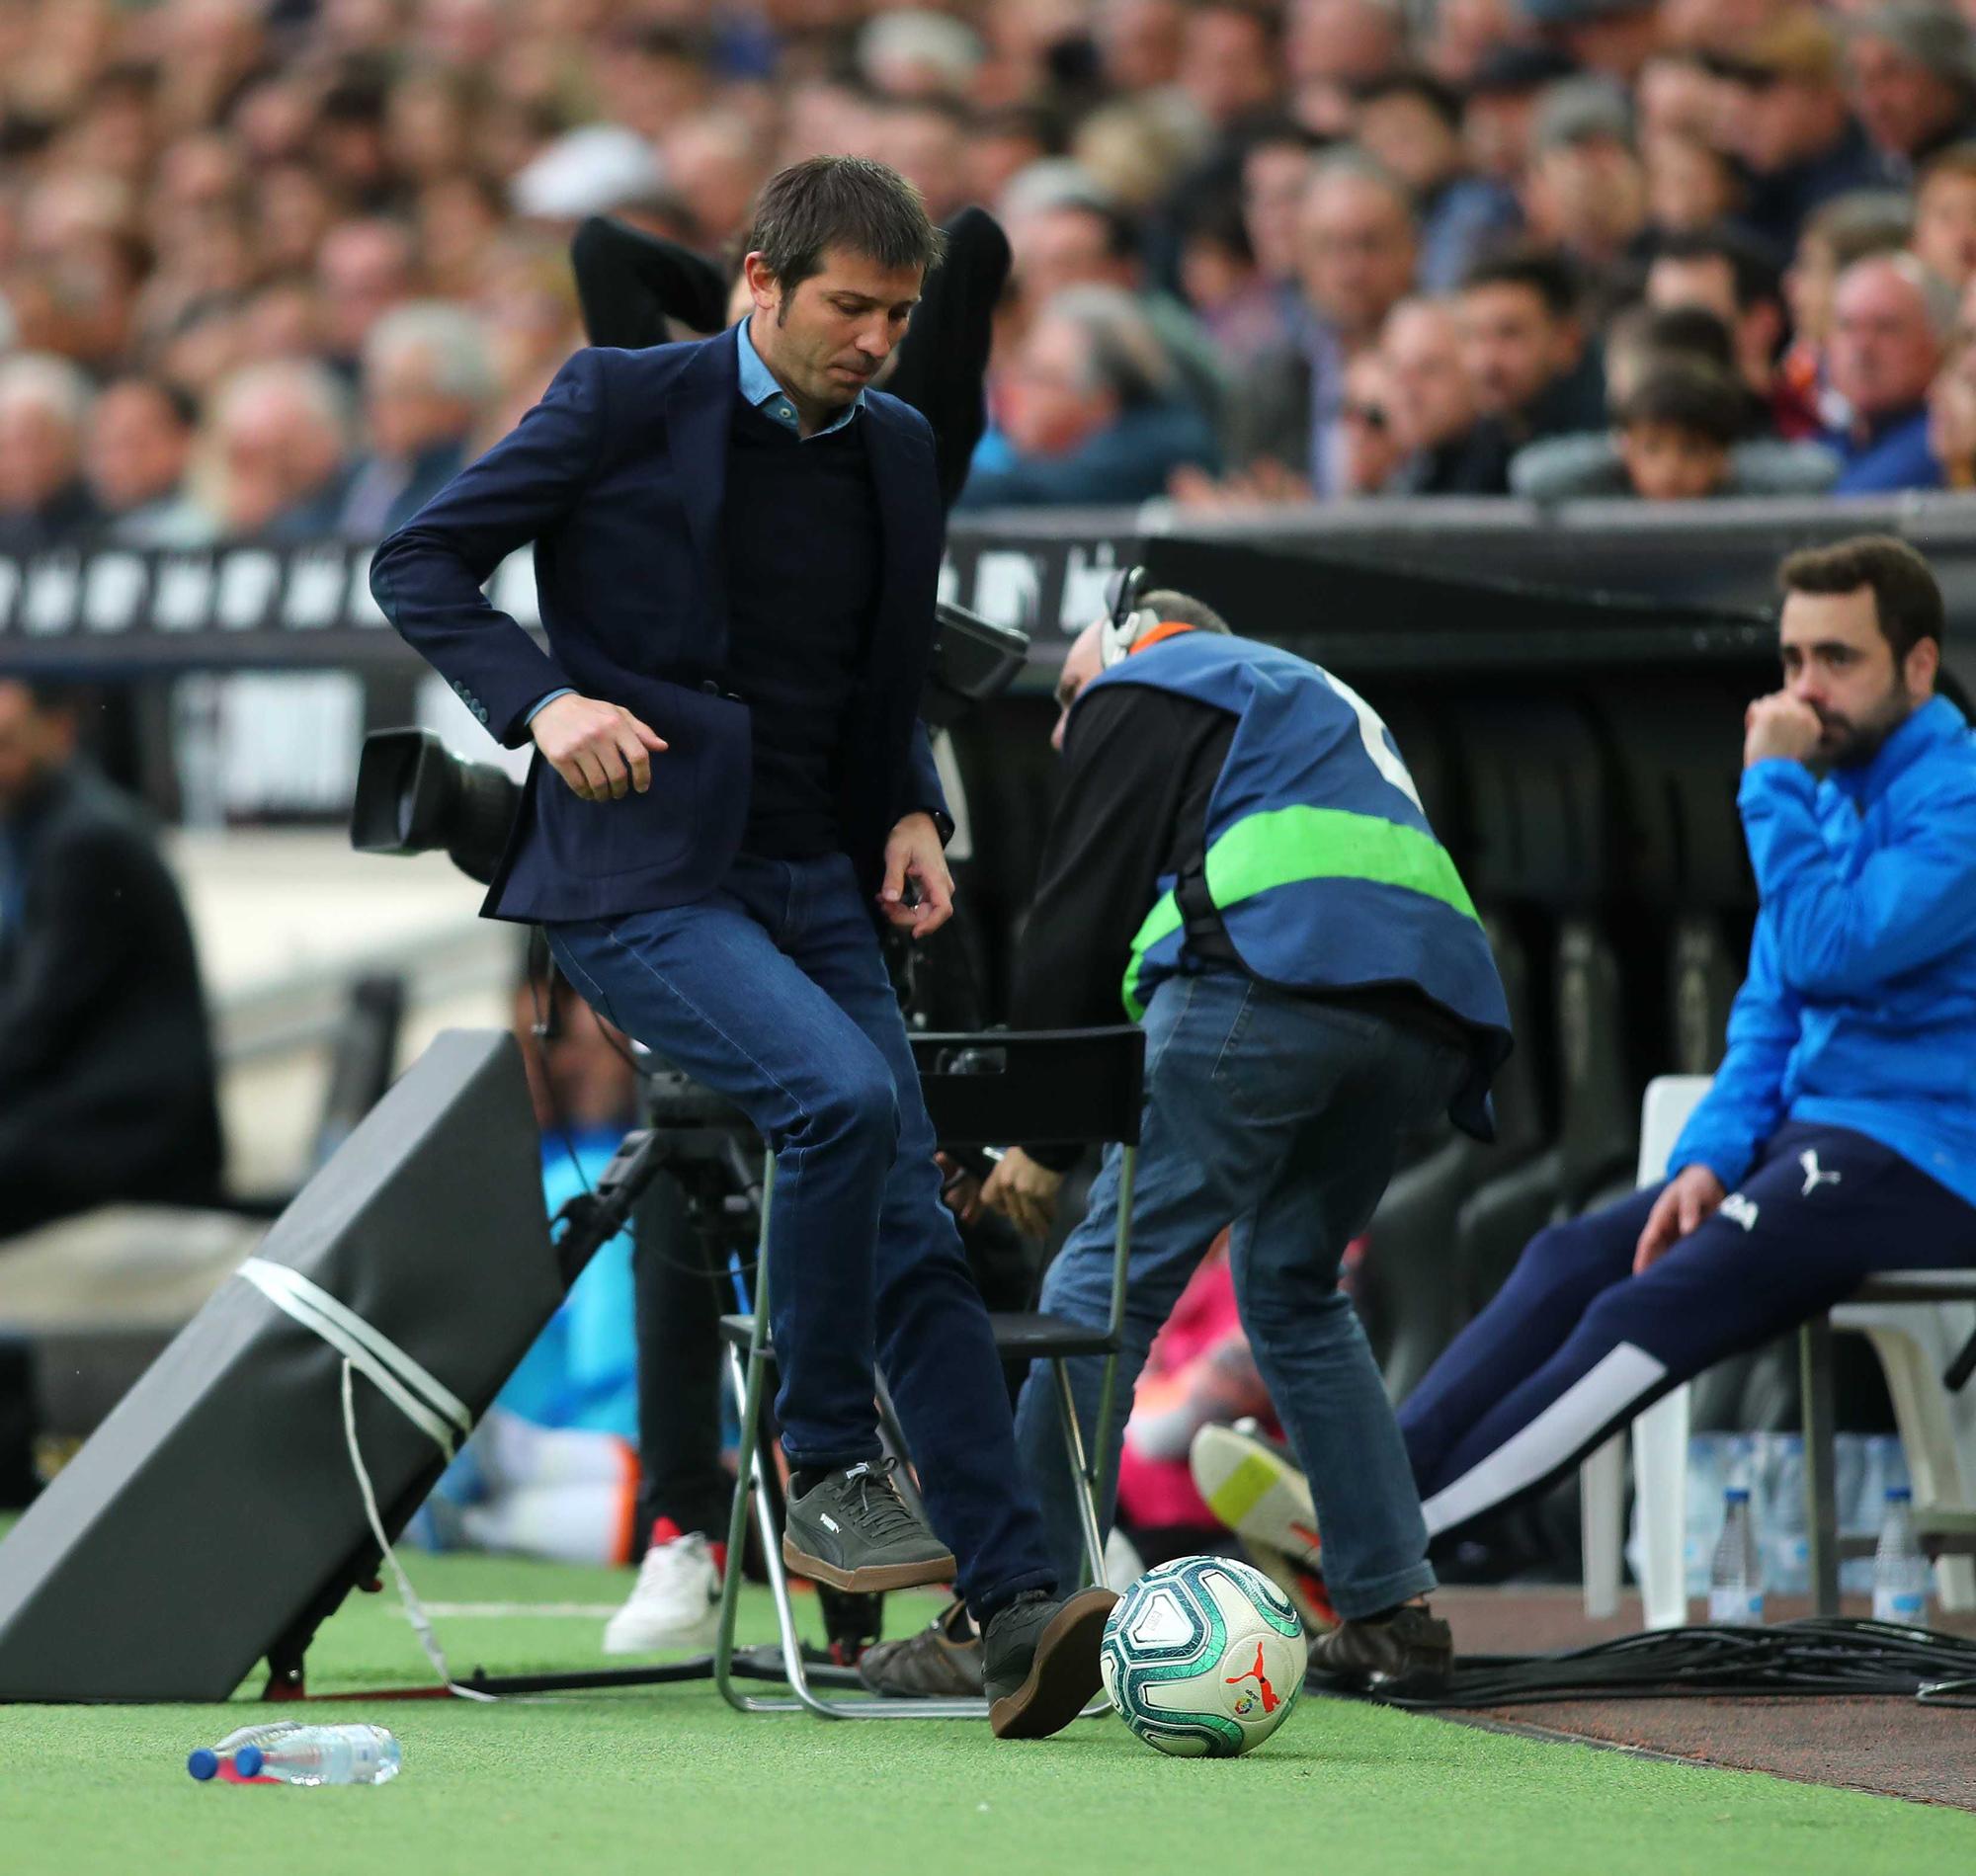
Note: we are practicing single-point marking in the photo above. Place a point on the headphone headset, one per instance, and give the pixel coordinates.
(1130, 621)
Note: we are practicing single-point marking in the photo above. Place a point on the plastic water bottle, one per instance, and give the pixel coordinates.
(324, 1755)
(1901, 1574)
(1735, 1583)
(218, 1762)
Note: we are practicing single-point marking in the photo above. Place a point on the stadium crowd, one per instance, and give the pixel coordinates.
(277, 267)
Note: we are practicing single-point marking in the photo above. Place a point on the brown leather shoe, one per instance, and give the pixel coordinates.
(1415, 1645)
(942, 1661)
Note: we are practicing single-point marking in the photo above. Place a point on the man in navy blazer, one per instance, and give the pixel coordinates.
(737, 544)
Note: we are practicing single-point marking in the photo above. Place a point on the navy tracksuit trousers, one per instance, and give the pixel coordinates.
(1574, 1345)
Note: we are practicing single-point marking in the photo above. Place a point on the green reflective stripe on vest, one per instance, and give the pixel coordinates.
(1281, 846)
(1162, 919)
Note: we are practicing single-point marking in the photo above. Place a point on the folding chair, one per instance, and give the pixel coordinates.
(1069, 1086)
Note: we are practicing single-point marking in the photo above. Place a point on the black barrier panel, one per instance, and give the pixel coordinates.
(98, 607)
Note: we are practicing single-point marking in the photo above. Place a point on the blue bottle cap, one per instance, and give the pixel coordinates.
(204, 1763)
(1905, 1493)
(1737, 1494)
(248, 1760)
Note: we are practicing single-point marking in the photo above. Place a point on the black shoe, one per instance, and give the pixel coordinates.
(942, 1661)
(1414, 1645)
(1039, 1661)
(852, 1531)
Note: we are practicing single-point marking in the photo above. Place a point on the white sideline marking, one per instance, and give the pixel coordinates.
(469, 1611)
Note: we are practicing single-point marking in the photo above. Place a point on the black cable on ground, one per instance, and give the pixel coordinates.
(1826, 1655)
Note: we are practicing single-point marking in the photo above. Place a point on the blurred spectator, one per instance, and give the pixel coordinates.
(1523, 337)
(1676, 430)
(136, 450)
(1890, 321)
(1788, 122)
(1431, 398)
(1335, 47)
(1371, 451)
(362, 269)
(1677, 437)
(106, 1074)
(1138, 42)
(1089, 409)
(1088, 243)
(1845, 229)
(43, 405)
(715, 163)
(1690, 183)
(1355, 249)
(926, 140)
(1276, 166)
(428, 383)
(1411, 123)
(1913, 72)
(1584, 190)
(1231, 65)
(1737, 281)
(1612, 37)
(1499, 119)
(1951, 413)
(907, 53)
(1240, 309)
(1944, 227)
(280, 447)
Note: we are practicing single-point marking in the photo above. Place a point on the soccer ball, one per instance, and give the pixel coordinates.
(1204, 1658)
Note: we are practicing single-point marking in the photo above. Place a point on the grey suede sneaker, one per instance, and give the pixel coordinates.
(1039, 1660)
(942, 1661)
(1415, 1645)
(853, 1532)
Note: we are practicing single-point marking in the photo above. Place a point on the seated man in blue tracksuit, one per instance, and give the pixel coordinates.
(1840, 1135)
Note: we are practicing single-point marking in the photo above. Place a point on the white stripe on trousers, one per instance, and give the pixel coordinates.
(1618, 1380)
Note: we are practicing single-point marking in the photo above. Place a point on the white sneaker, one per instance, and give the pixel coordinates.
(674, 1604)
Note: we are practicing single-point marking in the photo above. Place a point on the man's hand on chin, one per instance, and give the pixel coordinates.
(913, 856)
(1779, 725)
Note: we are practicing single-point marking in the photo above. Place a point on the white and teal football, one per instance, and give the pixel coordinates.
(1204, 1658)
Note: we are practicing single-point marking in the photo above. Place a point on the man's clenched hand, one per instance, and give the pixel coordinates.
(600, 749)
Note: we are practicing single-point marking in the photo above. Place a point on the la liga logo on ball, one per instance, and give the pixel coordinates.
(1204, 1658)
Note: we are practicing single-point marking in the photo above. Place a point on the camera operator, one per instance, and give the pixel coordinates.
(1240, 843)
(737, 544)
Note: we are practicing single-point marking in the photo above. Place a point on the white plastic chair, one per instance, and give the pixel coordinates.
(1660, 1435)
(1914, 1341)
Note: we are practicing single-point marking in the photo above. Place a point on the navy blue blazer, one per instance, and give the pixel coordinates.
(617, 476)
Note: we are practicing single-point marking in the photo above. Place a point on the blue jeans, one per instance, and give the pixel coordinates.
(773, 991)
(1281, 1115)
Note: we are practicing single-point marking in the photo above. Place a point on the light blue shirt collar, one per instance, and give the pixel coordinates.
(758, 388)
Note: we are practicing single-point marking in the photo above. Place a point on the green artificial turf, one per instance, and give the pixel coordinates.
(668, 1779)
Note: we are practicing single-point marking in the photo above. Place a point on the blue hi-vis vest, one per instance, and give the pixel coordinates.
(1319, 861)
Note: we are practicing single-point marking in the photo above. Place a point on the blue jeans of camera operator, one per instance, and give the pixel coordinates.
(1284, 1115)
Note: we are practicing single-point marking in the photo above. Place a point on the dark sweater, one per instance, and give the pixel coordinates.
(803, 556)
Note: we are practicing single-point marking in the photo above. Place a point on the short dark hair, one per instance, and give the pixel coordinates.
(1752, 268)
(1182, 608)
(1697, 331)
(1120, 231)
(1443, 100)
(1685, 394)
(1907, 601)
(1543, 270)
(840, 202)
